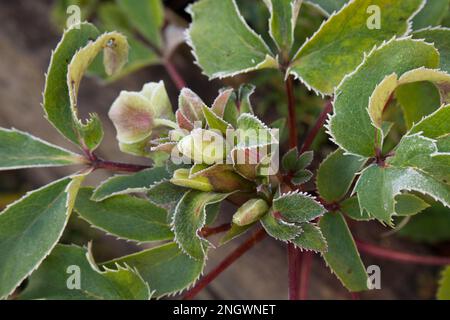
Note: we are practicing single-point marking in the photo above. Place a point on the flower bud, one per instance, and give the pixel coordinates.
(250, 212)
(138, 115)
(203, 146)
(181, 178)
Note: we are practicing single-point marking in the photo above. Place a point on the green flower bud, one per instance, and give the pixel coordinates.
(181, 178)
(250, 212)
(204, 146)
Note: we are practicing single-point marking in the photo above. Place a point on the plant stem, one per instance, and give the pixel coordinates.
(206, 231)
(117, 166)
(292, 114)
(174, 74)
(294, 265)
(317, 126)
(236, 254)
(401, 256)
(294, 254)
(305, 270)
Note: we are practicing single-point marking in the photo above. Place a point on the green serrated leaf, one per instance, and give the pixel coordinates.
(301, 177)
(166, 195)
(443, 292)
(125, 216)
(297, 207)
(347, 35)
(336, 174)
(440, 38)
(292, 162)
(70, 60)
(280, 229)
(431, 14)
(133, 183)
(417, 100)
(167, 268)
(434, 125)
(113, 18)
(387, 86)
(311, 239)
(55, 279)
(283, 20)
(147, 16)
(351, 126)
(419, 152)
(31, 227)
(214, 121)
(377, 187)
(431, 226)
(229, 46)
(350, 207)
(190, 217)
(409, 204)
(327, 7)
(20, 150)
(342, 256)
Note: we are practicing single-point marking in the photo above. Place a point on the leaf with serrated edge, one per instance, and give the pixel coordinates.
(230, 46)
(125, 216)
(75, 52)
(417, 100)
(336, 174)
(342, 256)
(147, 16)
(345, 34)
(283, 20)
(431, 14)
(386, 88)
(280, 229)
(421, 153)
(214, 121)
(440, 38)
(20, 150)
(377, 187)
(409, 204)
(190, 217)
(123, 184)
(51, 279)
(351, 126)
(311, 239)
(327, 7)
(297, 207)
(31, 227)
(432, 226)
(111, 17)
(435, 125)
(167, 268)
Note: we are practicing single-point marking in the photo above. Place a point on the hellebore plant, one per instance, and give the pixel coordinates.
(204, 154)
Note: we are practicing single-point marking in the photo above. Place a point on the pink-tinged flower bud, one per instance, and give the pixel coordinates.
(250, 212)
(204, 146)
(181, 178)
(138, 115)
(190, 108)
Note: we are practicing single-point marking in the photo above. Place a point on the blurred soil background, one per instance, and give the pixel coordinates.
(27, 37)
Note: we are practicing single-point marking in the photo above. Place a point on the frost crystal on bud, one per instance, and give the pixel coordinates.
(250, 212)
(204, 146)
